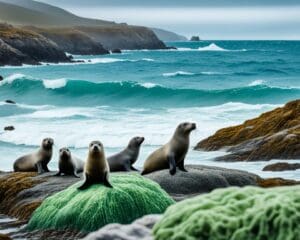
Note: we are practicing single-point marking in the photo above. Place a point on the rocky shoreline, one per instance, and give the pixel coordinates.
(33, 45)
(273, 135)
(22, 193)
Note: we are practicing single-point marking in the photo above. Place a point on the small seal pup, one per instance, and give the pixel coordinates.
(96, 168)
(172, 154)
(37, 161)
(69, 164)
(124, 160)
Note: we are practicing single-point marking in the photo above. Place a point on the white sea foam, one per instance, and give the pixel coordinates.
(148, 85)
(178, 73)
(55, 83)
(257, 82)
(11, 78)
(215, 47)
(212, 47)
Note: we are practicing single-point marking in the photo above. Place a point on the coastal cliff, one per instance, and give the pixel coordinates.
(273, 135)
(124, 36)
(19, 46)
(76, 34)
(72, 41)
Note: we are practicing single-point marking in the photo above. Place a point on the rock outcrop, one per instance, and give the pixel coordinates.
(72, 41)
(200, 179)
(22, 193)
(19, 46)
(234, 213)
(282, 166)
(140, 229)
(124, 36)
(195, 39)
(273, 135)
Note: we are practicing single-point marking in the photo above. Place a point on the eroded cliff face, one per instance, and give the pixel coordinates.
(72, 41)
(123, 36)
(19, 46)
(273, 135)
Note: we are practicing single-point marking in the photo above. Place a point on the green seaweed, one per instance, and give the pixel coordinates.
(234, 214)
(131, 197)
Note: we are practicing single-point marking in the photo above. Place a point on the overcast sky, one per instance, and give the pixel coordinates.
(210, 19)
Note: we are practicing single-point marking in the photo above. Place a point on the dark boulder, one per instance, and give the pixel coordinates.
(195, 39)
(10, 101)
(9, 128)
(116, 50)
(1, 78)
(200, 179)
(282, 166)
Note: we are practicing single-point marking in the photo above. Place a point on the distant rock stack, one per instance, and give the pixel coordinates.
(195, 39)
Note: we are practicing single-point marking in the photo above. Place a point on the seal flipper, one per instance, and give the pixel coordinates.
(39, 167)
(105, 181)
(180, 165)
(87, 182)
(134, 169)
(46, 169)
(172, 164)
(76, 175)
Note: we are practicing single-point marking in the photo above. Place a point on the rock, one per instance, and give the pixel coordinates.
(200, 179)
(273, 135)
(1, 78)
(72, 41)
(4, 237)
(195, 39)
(276, 182)
(117, 50)
(22, 193)
(123, 37)
(234, 213)
(131, 197)
(9, 128)
(282, 166)
(139, 229)
(172, 48)
(19, 46)
(10, 101)
(12, 56)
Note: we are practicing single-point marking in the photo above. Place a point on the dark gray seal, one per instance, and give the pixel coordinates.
(96, 169)
(124, 160)
(36, 161)
(69, 164)
(172, 154)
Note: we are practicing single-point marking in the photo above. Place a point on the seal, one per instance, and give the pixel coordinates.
(172, 154)
(36, 161)
(124, 160)
(69, 164)
(96, 168)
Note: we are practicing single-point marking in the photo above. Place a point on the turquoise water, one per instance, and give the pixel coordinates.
(115, 97)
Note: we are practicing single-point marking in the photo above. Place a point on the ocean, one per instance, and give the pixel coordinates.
(115, 97)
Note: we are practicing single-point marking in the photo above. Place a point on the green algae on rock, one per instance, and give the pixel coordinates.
(233, 214)
(131, 197)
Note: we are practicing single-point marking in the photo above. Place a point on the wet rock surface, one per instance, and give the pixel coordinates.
(273, 135)
(22, 193)
(139, 229)
(282, 166)
(200, 179)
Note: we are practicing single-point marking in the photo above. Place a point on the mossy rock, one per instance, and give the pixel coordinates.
(131, 197)
(234, 214)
